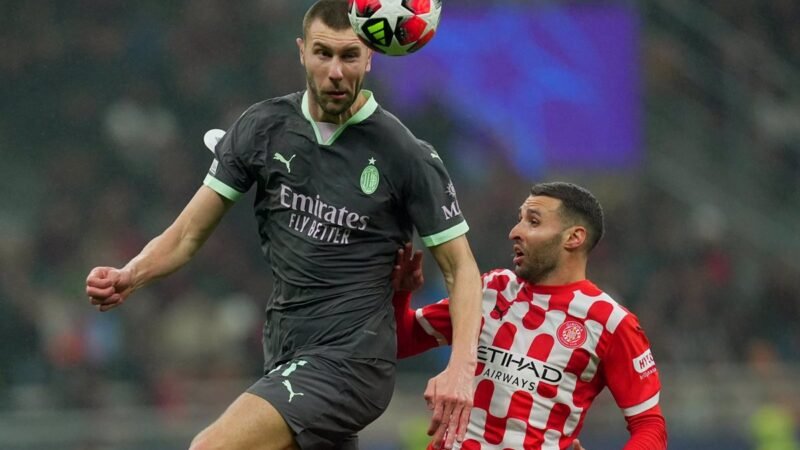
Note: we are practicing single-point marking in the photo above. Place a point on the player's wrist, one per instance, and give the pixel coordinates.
(463, 361)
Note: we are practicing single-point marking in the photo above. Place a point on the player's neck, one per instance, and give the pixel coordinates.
(566, 273)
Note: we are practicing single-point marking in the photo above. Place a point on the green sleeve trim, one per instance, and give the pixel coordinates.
(222, 189)
(446, 235)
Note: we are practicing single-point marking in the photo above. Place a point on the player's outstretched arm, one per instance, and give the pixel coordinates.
(450, 393)
(108, 287)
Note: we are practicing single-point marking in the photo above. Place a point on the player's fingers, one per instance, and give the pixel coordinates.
(408, 249)
(99, 293)
(99, 281)
(106, 307)
(437, 440)
(449, 425)
(463, 423)
(430, 394)
(112, 302)
(437, 424)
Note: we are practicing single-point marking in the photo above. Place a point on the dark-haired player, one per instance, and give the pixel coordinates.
(550, 341)
(340, 185)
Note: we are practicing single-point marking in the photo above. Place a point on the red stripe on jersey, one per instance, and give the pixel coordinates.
(470, 444)
(534, 317)
(578, 362)
(560, 301)
(520, 407)
(483, 395)
(541, 346)
(600, 311)
(505, 336)
(558, 417)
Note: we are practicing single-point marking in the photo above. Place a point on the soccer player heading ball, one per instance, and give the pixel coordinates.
(341, 185)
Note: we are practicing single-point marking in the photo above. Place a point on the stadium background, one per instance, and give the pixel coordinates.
(682, 116)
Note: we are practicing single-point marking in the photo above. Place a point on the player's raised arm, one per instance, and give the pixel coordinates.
(108, 287)
(450, 393)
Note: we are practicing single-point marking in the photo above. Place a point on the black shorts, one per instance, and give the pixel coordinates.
(327, 401)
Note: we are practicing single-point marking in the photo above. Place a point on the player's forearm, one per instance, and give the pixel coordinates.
(177, 244)
(465, 313)
(160, 257)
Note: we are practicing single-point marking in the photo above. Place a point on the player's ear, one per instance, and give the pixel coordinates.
(575, 238)
(369, 59)
(301, 47)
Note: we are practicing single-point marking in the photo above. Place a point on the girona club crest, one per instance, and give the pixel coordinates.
(571, 334)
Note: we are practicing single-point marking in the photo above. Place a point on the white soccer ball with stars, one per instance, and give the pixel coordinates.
(395, 27)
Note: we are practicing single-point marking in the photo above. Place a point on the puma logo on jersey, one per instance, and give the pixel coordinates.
(283, 159)
(292, 393)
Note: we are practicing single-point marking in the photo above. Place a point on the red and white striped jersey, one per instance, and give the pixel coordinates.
(544, 354)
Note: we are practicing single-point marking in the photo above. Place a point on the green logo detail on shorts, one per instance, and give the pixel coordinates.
(286, 372)
(370, 178)
(292, 394)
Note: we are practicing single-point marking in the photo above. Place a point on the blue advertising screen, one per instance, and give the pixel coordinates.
(559, 86)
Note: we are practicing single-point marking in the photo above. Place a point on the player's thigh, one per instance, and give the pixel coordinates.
(251, 423)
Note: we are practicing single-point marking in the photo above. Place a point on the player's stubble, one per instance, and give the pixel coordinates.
(540, 261)
(329, 106)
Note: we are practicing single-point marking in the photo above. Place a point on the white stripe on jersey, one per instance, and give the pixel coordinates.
(423, 322)
(551, 438)
(642, 407)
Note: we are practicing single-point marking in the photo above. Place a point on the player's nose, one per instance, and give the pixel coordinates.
(335, 71)
(513, 234)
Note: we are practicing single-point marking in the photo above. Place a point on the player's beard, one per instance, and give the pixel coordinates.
(327, 105)
(540, 261)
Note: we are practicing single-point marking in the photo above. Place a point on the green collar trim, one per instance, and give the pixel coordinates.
(369, 107)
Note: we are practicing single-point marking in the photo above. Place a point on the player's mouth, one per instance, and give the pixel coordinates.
(337, 95)
(518, 255)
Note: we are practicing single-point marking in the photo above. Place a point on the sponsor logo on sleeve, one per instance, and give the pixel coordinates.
(644, 364)
(213, 169)
(453, 210)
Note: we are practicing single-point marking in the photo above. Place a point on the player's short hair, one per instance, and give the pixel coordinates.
(578, 206)
(333, 13)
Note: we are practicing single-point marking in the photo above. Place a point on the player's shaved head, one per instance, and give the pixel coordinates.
(332, 13)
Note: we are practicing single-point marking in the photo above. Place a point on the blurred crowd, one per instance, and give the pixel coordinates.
(105, 105)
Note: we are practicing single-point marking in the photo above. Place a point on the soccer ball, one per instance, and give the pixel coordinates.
(395, 27)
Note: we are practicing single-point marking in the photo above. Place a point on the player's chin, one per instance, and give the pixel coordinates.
(334, 106)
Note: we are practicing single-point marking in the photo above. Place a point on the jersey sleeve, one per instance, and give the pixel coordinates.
(630, 370)
(421, 329)
(431, 199)
(230, 174)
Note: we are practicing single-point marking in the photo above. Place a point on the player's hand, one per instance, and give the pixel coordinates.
(407, 273)
(576, 445)
(449, 396)
(108, 287)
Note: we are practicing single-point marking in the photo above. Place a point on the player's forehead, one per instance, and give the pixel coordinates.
(320, 34)
(540, 205)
